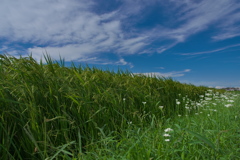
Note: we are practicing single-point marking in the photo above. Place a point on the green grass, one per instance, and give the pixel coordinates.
(213, 132)
(49, 111)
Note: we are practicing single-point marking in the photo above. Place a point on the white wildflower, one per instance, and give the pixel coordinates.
(208, 99)
(166, 135)
(168, 130)
(160, 107)
(208, 94)
(228, 105)
(129, 122)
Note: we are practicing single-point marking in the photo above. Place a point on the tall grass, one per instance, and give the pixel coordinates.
(49, 110)
(213, 132)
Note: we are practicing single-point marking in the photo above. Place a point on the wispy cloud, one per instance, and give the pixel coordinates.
(167, 74)
(208, 12)
(195, 16)
(75, 30)
(76, 53)
(215, 84)
(230, 25)
(68, 28)
(211, 51)
(227, 33)
(159, 67)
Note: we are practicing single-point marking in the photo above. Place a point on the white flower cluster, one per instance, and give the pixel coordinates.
(166, 134)
(177, 102)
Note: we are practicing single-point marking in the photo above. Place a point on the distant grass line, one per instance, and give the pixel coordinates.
(49, 108)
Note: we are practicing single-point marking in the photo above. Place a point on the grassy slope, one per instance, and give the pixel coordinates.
(213, 132)
(54, 111)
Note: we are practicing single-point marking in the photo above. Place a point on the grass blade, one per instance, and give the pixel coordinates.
(202, 138)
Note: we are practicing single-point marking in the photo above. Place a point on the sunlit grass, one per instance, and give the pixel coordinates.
(213, 133)
(49, 111)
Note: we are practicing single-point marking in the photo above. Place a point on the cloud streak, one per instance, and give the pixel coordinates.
(167, 74)
(75, 30)
(211, 51)
(196, 16)
(66, 28)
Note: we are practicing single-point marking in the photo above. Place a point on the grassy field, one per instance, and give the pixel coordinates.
(49, 111)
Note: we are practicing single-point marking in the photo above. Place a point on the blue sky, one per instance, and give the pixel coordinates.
(192, 41)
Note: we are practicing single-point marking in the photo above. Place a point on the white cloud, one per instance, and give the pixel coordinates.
(3, 48)
(71, 28)
(227, 33)
(215, 84)
(195, 16)
(229, 28)
(74, 53)
(160, 67)
(219, 87)
(79, 53)
(123, 62)
(69, 52)
(132, 45)
(167, 74)
(41, 21)
(11, 51)
(211, 51)
(68, 28)
(134, 7)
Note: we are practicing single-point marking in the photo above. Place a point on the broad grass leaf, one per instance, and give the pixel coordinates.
(202, 138)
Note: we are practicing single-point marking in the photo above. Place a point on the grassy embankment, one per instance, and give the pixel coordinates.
(49, 111)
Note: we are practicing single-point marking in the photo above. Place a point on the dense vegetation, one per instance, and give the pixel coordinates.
(50, 111)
